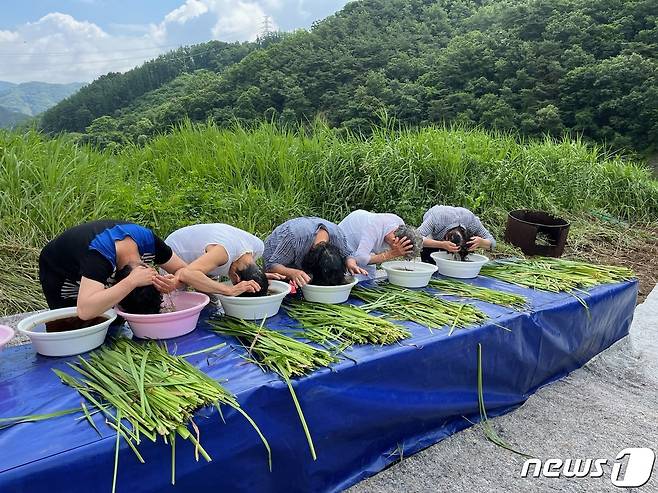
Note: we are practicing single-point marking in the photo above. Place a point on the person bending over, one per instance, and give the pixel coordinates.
(444, 225)
(378, 237)
(79, 267)
(213, 251)
(310, 249)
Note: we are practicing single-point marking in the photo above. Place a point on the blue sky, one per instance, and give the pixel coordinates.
(78, 40)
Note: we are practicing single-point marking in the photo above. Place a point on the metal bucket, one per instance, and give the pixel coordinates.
(537, 232)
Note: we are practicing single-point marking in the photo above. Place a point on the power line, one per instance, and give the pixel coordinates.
(110, 60)
(60, 53)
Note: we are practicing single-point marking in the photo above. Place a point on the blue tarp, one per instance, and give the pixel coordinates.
(395, 400)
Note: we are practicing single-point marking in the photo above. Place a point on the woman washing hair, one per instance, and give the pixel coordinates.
(378, 237)
(453, 229)
(79, 267)
(217, 250)
(310, 249)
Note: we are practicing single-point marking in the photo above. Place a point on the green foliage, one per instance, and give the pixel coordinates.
(258, 178)
(533, 66)
(114, 91)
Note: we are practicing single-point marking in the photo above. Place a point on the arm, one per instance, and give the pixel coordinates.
(363, 254)
(400, 248)
(174, 264)
(196, 274)
(444, 245)
(94, 298)
(170, 262)
(279, 250)
(481, 238)
(201, 282)
(297, 276)
(337, 238)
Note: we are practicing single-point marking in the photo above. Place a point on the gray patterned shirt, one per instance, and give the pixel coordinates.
(441, 218)
(291, 241)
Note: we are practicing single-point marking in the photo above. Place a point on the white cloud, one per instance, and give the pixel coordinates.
(238, 21)
(6, 36)
(60, 48)
(189, 10)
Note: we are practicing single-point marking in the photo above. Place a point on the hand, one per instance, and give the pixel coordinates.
(273, 276)
(243, 287)
(400, 247)
(353, 268)
(449, 246)
(141, 276)
(166, 283)
(299, 277)
(476, 242)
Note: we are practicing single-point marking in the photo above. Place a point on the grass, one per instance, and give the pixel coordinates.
(338, 327)
(257, 178)
(419, 307)
(143, 392)
(278, 353)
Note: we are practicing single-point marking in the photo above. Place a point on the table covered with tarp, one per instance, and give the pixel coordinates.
(364, 412)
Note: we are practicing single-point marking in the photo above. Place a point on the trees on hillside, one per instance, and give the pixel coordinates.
(533, 66)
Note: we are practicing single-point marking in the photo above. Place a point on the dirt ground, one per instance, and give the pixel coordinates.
(642, 257)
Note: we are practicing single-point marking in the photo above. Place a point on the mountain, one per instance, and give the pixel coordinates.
(32, 98)
(114, 91)
(535, 67)
(9, 119)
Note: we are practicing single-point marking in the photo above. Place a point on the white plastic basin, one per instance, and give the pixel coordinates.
(331, 295)
(409, 274)
(6, 334)
(64, 343)
(255, 307)
(167, 325)
(450, 267)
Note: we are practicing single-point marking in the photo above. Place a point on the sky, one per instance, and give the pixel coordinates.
(78, 40)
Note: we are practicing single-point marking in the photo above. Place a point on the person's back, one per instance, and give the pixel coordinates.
(191, 242)
(354, 225)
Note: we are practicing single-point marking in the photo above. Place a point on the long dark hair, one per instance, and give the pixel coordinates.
(253, 272)
(325, 264)
(459, 236)
(144, 300)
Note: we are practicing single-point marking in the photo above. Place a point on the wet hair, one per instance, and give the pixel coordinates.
(412, 235)
(253, 272)
(459, 236)
(144, 300)
(325, 264)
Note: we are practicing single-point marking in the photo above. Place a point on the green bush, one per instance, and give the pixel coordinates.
(257, 178)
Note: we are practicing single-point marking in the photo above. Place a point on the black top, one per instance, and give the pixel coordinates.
(88, 250)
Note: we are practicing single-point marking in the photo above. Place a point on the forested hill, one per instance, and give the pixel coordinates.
(532, 66)
(19, 102)
(114, 91)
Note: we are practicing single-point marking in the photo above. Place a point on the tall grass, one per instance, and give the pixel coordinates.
(257, 178)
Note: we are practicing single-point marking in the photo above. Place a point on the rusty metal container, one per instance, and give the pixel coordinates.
(537, 232)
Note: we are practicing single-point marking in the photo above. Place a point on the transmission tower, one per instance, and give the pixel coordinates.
(266, 27)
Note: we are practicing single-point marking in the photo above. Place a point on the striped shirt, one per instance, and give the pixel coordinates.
(290, 242)
(442, 218)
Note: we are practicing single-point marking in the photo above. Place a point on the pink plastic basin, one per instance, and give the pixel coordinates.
(6, 333)
(167, 325)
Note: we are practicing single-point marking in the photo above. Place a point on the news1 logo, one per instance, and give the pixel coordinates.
(639, 466)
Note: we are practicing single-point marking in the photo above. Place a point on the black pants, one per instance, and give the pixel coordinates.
(51, 285)
(426, 252)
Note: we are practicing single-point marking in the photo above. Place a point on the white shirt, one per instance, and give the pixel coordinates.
(365, 232)
(190, 242)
